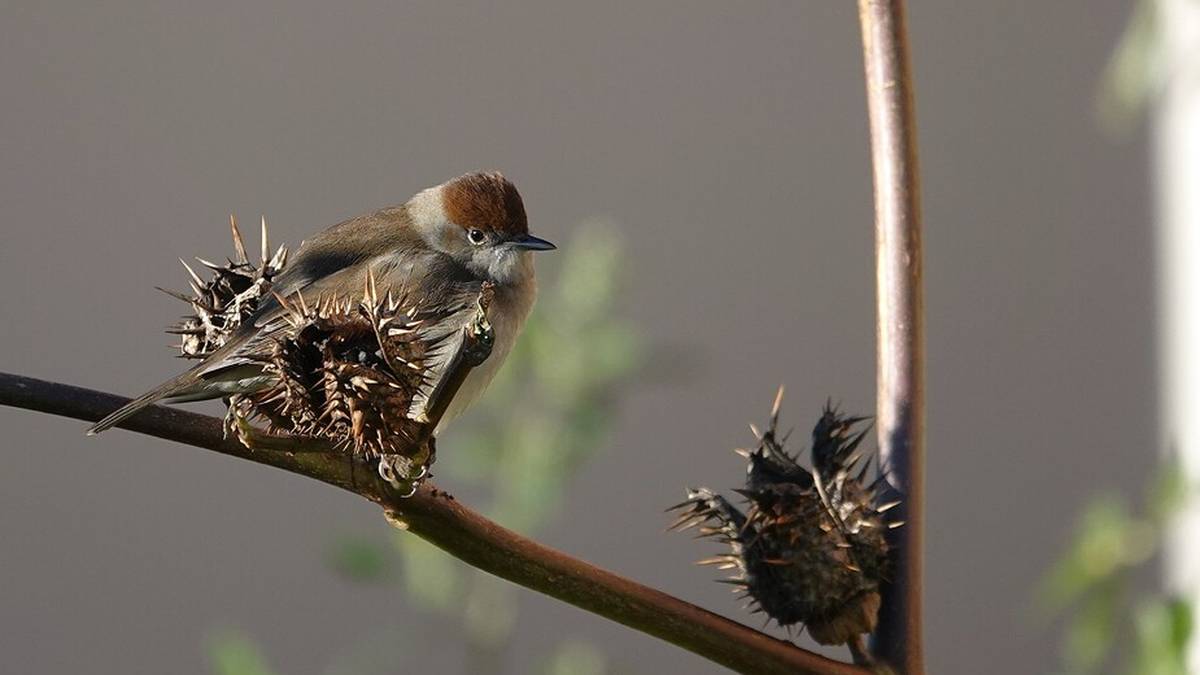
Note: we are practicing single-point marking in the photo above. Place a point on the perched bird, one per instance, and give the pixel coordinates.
(441, 246)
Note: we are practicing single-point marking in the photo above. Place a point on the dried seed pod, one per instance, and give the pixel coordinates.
(353, 372)
(809, 548)
(220, 304)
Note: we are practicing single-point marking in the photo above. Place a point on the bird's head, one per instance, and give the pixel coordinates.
(479, 220)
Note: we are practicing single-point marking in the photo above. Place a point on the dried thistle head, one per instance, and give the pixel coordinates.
(220, 304)
(809, 548)
(350, 371)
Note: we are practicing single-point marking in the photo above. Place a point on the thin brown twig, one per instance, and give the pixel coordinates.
(900, 318)
(438, 518)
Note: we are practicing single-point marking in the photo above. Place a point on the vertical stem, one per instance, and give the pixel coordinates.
(900, 318)
(1176, 143)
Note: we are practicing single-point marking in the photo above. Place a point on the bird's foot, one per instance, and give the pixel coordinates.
(404, 475)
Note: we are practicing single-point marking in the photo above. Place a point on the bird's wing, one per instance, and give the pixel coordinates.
(382, 233)
(314, 277)
(457, 303)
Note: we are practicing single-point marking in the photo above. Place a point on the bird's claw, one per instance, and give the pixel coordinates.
(400, 473)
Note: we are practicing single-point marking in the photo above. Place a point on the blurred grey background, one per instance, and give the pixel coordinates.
(728, 141)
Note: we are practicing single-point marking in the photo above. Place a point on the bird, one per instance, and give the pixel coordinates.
(441, 245)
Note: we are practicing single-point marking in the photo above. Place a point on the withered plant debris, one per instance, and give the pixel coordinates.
(232, 294)
(809, 547)
(369, 373)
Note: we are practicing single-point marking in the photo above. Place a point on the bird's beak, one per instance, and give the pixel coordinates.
(529, 242)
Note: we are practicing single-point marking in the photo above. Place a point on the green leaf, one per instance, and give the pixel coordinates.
(1091, 635)
(1163, 629)
(1108, 541)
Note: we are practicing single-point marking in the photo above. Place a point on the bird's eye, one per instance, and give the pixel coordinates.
(475, 236)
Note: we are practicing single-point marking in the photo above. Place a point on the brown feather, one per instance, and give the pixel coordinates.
(485, 201)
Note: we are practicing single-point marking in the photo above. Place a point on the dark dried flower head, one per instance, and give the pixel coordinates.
(809, 548)
(233, 293)
(351, 371)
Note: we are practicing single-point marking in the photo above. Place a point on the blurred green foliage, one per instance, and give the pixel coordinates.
(549, 409)
(358, 559)
(576, 658)
(1109, 628)
(1091, 584)
(1134, 73)
(233, 653)
(551, 405)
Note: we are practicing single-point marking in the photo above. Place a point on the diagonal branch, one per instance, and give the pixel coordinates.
(436, 517)
(900, 380)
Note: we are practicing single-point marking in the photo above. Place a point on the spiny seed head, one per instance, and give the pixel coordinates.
(233, 293)
(809, 546)
(349, 371)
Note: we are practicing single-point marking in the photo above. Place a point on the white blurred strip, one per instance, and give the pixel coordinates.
(1177, 156)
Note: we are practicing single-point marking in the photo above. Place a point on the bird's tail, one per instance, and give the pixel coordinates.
(167, 389)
